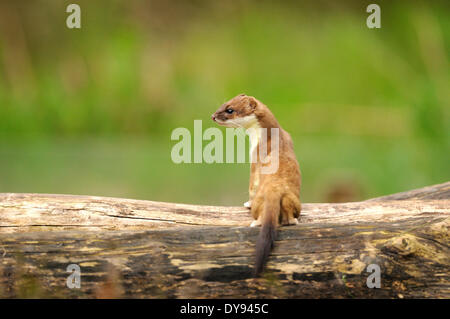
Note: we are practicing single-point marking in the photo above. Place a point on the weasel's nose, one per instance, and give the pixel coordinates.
(213, 117)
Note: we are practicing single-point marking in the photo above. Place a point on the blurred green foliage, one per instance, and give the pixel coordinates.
(90, 111)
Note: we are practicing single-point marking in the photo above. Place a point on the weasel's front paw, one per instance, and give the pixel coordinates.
(290, 221)
(255, 223)
(248, 204)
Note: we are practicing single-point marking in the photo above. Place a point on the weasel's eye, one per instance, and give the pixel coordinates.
(229, 111)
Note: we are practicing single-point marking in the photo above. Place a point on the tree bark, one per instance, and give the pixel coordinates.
(143, 249)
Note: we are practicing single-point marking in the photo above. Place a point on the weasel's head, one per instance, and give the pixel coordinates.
(237, 112)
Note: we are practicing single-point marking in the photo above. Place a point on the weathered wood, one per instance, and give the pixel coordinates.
(438, 191)
(144, 249)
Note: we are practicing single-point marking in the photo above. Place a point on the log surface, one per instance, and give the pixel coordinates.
(143, 249)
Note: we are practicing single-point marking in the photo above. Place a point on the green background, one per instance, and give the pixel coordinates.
(91, 110)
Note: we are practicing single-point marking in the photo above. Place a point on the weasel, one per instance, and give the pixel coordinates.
(274, 196)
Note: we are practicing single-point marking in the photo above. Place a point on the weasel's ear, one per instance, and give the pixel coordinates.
(252, 102)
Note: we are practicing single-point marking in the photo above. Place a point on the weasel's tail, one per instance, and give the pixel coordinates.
(271, 212)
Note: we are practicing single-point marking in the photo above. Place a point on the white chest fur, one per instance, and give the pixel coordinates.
(254, 134)
(253, 129)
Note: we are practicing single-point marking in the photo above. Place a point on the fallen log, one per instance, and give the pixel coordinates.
(133, 248)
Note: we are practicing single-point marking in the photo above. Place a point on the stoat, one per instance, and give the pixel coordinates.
(274, 194)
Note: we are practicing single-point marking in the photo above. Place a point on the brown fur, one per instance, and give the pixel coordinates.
(274, 197)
